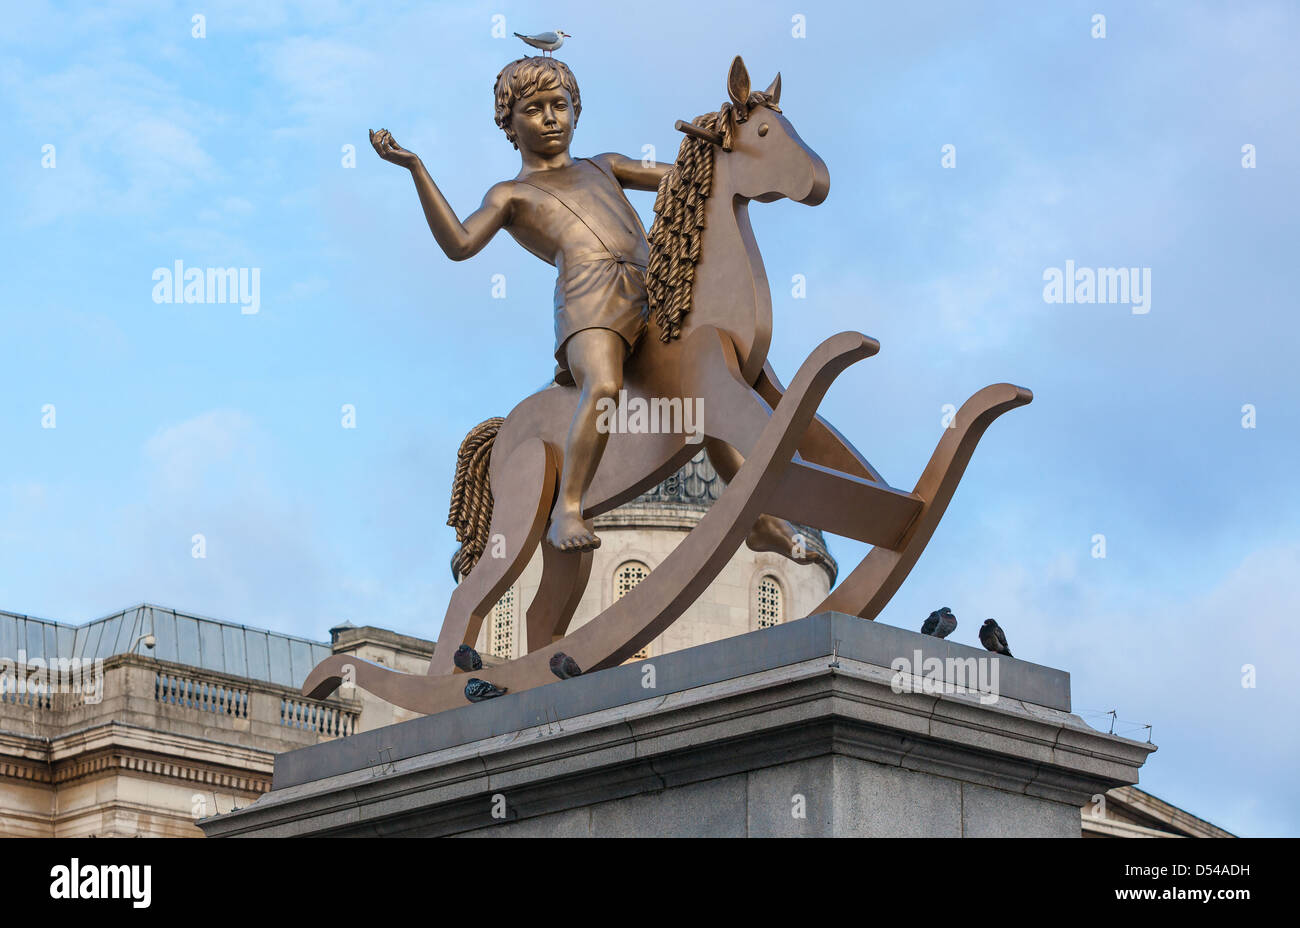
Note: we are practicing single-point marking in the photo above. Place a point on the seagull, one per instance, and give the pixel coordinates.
(564, 666)
(941, 623)
(477, 690)
(467, 659)
(993, 638)
(546, 41)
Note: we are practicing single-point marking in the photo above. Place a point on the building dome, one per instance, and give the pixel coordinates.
(756, 588)
(681, 500)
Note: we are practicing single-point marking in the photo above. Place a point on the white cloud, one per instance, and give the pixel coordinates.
(126, 140)
(321, 76)
(184, 454)
(264, 564)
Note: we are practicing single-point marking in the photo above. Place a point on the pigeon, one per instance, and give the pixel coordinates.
(993, 638)
(477, 690)
(546, 41)
(564, 666)
(941, 623)
(467, 659)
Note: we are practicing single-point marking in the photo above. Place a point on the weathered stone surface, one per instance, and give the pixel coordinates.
(710, 808)
(876, 801)
(994, 813)
(575, 823)
(813, 638)
(721, 746)
(794, 800)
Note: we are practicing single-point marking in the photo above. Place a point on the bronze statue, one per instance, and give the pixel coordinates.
(571, 213)
(708, 296)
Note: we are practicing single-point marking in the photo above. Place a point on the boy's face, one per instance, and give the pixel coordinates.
(543, 122)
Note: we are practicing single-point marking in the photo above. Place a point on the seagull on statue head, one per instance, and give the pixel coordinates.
(546, 41)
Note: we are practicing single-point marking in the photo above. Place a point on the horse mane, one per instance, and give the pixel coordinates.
(679, 217)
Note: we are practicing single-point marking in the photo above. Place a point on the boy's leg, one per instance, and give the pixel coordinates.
(769, 533)
(595, 356)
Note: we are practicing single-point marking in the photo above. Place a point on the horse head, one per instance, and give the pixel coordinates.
(745, 151)
(766, 158)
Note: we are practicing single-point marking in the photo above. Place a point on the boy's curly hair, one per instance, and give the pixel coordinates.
(527, 76)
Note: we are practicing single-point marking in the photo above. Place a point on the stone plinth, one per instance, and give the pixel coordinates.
(792, 730)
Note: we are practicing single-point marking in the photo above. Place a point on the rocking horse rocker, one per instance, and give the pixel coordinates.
(711, 307)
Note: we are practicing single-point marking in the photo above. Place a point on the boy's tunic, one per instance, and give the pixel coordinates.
(602, 288)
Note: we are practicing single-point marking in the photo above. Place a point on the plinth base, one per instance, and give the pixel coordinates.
(797, 730)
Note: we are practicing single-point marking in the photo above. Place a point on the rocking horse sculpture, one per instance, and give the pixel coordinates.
(712, 311)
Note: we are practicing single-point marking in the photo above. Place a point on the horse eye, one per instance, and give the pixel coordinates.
(762, 130)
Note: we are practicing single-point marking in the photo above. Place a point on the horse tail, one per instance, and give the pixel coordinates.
(471, 495)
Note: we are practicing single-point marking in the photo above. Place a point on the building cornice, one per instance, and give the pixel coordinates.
(1136, 801)
(116, 746)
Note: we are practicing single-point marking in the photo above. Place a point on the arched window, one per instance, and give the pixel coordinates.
(770, 608)
(501, 626)
(625, 578)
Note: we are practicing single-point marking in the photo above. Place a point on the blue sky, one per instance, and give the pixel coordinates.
(224, 151)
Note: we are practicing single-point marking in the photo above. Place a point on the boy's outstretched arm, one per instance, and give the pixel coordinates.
(459, 240)
(635, 173)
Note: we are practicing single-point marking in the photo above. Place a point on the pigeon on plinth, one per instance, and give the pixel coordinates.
(993, 638)
(467, 659)
(546, 41)
(477, 690)
(940, 624)
(564, 666)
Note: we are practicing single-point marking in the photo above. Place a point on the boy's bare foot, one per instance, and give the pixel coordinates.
(569, 533)
(779, 536)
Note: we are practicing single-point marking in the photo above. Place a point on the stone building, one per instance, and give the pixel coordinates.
(141, 723)
(1129, 812)
(96, 738)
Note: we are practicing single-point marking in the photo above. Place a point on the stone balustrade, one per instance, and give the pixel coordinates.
(138, 690)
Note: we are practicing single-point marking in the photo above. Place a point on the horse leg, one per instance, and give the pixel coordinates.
(822, 443)
(564, 579)
(521, 498)
(770, 533)
(711, 370)
(654, 604)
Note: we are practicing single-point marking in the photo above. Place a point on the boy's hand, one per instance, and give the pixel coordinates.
(389, 150)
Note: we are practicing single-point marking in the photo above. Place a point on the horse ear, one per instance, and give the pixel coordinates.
(774, 91)
(738, 82)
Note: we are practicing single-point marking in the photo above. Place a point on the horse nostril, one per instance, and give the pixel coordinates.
(762, 130)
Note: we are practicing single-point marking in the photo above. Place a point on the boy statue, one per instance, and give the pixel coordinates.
(572, 213)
